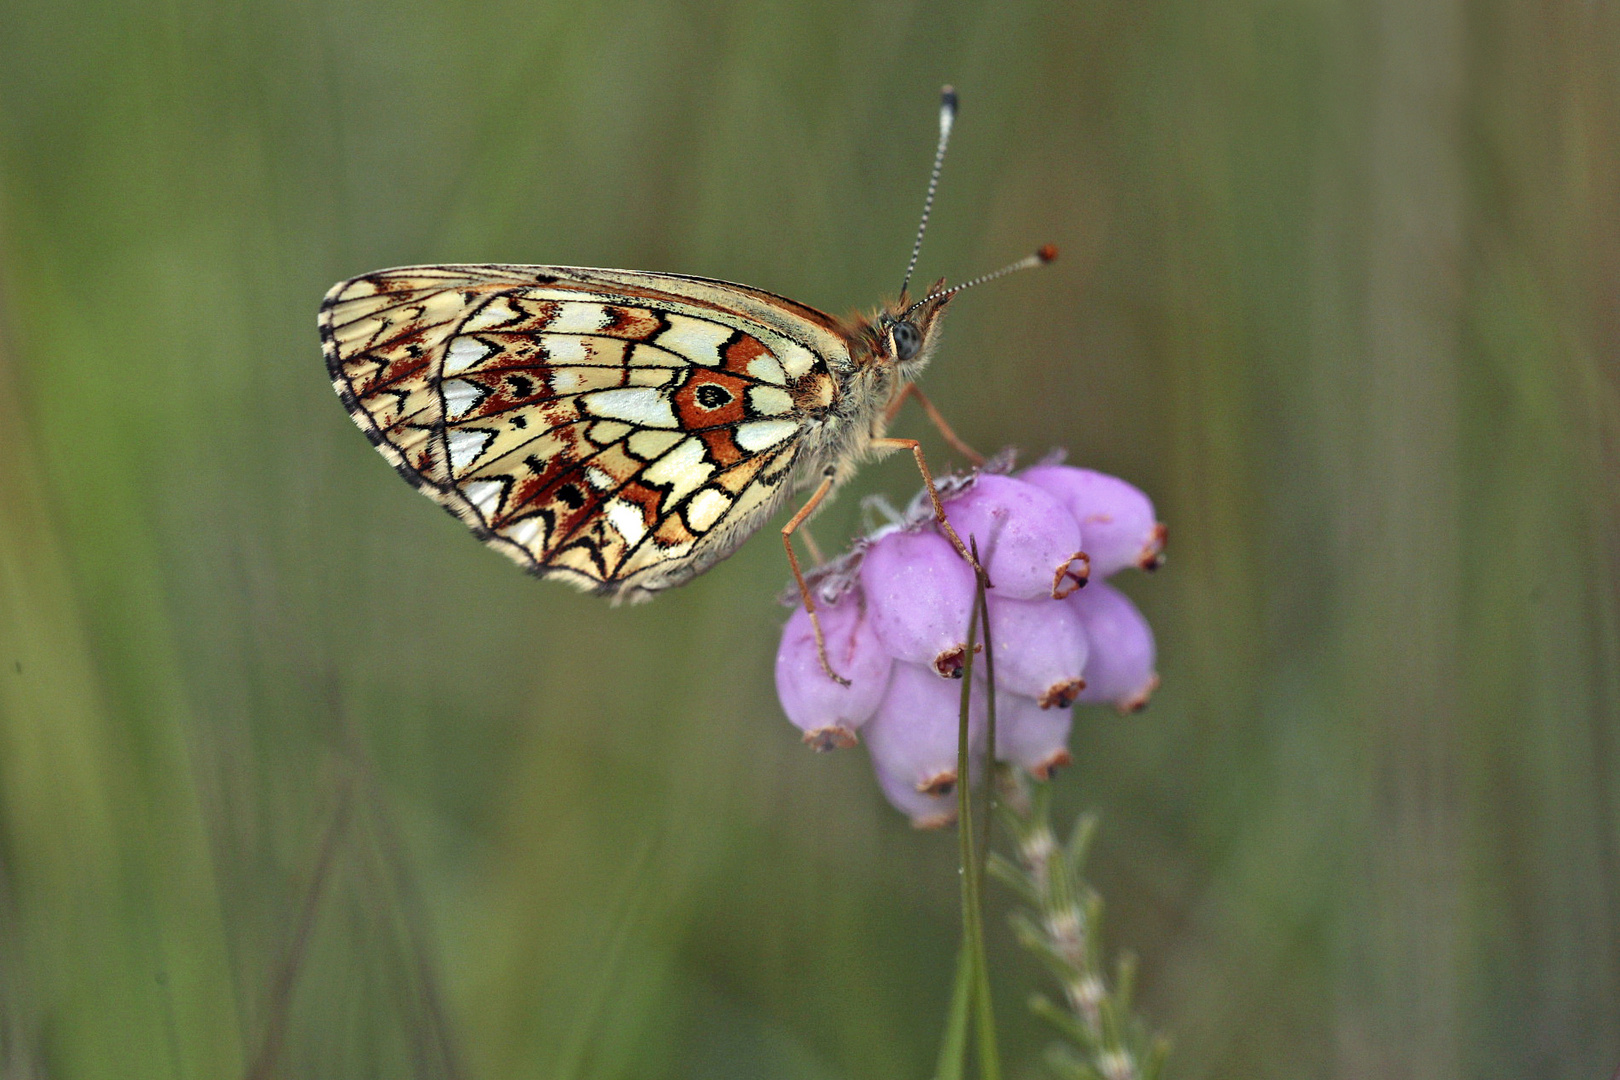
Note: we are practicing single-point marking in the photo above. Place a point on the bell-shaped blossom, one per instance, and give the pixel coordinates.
(914, 733)
(1040, 649)
(1035, 739)
(1116, 519)
(830, 713)
(919, 594)
(1028, 543)
(1120, 670)
(927, 810)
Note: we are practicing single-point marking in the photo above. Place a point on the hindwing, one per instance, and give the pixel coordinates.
(624, 430)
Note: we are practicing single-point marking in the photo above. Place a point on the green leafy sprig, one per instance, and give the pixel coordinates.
(1062, 925)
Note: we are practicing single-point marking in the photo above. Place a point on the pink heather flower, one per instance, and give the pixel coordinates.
(1028, 543)
(828, 713)
(1119, 671)
(913, 736)
(1116, 519)
(1040, 649)
(1035, 739)
(919, 595)
(926, 811)
(895, 616)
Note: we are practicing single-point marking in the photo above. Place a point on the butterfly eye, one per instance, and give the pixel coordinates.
(907, 339)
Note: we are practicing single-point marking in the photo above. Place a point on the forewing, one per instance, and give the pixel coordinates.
(624, 430)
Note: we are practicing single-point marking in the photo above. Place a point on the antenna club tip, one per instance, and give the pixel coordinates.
(947, 98)
(1047, 253)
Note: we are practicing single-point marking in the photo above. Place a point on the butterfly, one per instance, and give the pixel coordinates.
(618, 429)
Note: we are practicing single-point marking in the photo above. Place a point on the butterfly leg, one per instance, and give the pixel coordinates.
(798, 576)
(911, 390)
(933, 496)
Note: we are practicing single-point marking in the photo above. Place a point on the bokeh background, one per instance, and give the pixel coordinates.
(298, 780)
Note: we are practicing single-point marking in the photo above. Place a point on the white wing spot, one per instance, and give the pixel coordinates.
(566, 350)
(460, 396)
(698, 340)
(485, 495)
(763, 434)
(637, 405)
(597, 478)
(627, 519)
(492, 314)
(574, 317)
(684, 469)
(769, 401)
(796, 359)
(705, 509)
(467, 446)
(765, 368)
(466, 352)
(526, 530)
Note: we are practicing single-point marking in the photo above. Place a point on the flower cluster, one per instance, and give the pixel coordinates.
(894, 614)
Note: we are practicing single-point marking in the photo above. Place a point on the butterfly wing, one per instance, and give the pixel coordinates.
(619, 429)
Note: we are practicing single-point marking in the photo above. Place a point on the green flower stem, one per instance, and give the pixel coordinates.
(989, 1057)
(971, 993)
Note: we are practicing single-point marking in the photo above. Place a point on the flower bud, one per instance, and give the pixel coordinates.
(913, 735)
(1116, 519)
(1119, 671)
(1040, 648)
(828, 713)
(1027, 542)
(925, 811)
(1033, 738)
(919, 596)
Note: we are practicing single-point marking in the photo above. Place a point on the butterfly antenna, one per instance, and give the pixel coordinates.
(947, 117)
(1029, 262)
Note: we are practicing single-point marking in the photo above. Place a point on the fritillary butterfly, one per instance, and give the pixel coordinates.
(618, 429)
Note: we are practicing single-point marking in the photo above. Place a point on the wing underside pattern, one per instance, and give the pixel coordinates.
(622, 430)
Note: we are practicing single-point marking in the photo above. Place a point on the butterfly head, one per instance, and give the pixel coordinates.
(905, 333)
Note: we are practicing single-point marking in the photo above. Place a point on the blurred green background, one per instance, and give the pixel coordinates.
(1339, 289)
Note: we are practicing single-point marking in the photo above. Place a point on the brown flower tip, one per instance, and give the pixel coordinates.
(1072, 575)
(1139, 700)
(1059, 759)
(1152, 556)
(941, 783)
(832, 737)
(1061, 694)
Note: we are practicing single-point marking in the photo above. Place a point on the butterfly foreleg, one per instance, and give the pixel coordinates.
(788, 530)
(911, 390)
(933, 496)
